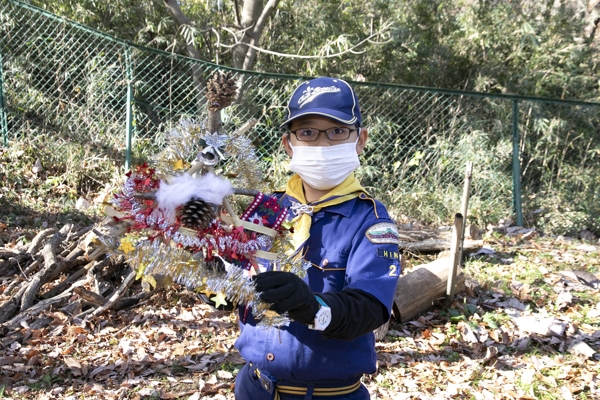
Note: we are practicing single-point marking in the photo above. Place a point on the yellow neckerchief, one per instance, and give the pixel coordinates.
(349, 189)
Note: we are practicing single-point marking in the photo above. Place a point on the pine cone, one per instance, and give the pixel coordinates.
(221, 91)
(197, 214)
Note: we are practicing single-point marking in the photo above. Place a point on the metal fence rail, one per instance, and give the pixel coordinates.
(64, 79)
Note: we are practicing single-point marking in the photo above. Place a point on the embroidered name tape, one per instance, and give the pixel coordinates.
(384, 232)
(392, 255)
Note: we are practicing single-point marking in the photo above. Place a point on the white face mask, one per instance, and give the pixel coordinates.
(324, 167)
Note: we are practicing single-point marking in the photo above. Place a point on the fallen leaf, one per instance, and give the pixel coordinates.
(513, 303)
(541, 326)
(8, 360)
(225, 375)
(71, 362)
(581, 348)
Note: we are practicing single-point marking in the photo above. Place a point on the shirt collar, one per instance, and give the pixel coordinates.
(344, 209)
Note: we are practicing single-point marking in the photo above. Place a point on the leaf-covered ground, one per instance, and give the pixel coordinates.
(525, 328)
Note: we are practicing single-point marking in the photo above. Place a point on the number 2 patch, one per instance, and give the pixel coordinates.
(384, 232)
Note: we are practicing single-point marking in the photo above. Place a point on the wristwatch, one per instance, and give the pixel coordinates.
(323, 316)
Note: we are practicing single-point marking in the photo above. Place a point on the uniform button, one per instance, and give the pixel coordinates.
(325, 262)
(270, 357)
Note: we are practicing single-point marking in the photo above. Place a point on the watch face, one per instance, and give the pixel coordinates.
(323, 318)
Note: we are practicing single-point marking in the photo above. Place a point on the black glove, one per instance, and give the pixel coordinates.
(288, 293)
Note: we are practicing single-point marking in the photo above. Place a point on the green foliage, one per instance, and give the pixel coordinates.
(539, 48)
(419, 141)
(534, 48)
(568, 223)
(428, 171)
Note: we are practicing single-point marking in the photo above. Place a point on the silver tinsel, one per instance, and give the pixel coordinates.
(182, 255)
(236, 149)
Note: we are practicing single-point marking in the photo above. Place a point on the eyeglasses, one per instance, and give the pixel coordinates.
(312, 134)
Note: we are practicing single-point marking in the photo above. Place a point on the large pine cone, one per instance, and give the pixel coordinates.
(197, 214)
(221, 90)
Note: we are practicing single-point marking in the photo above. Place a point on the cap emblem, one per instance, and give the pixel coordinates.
(312, 93)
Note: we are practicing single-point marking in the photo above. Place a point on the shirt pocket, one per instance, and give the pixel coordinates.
(328, 272)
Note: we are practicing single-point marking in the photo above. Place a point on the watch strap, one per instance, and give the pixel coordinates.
(321, 301)
(323, 312)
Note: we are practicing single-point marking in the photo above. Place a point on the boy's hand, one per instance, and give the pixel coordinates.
(287, 292)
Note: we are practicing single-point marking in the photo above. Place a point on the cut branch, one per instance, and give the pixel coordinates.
(49, 254)
(36, 309)
(36, 243)
(129, 278)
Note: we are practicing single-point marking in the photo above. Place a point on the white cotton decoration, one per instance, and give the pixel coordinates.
(180, 189)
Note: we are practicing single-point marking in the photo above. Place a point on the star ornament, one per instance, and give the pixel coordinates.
(219, 299)
(178, 164)
(215, 140)
(126, 246)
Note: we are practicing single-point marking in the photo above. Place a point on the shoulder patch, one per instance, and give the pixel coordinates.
(384, 232)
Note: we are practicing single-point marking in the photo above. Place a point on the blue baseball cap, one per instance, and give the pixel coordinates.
(329, 97)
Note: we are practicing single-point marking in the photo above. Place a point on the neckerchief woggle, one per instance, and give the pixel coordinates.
(349, 189)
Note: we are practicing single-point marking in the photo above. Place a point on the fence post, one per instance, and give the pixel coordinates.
(516, 163)
(3, 119)
(129, 121)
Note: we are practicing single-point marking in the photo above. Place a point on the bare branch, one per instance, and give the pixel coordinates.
(238, 18)
(350, 50)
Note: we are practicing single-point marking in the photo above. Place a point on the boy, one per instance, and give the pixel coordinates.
(352, 245)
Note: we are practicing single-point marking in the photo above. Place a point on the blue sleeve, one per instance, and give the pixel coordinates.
(374, 260)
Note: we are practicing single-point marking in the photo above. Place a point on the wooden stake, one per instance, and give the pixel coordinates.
(465, 207)
(454, 256)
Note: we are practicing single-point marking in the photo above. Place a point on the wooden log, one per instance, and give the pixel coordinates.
(5, 253)
(382, 331)
(126, 302)
(76, 275)
(464, 210)
(87, 295)
(422, 288)
(14, 263)
(11, 307)
(434, 245)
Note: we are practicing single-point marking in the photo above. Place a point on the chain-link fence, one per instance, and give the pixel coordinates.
(67, 80)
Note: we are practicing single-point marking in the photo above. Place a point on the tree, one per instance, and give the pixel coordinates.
(299, 37)
(546, 48)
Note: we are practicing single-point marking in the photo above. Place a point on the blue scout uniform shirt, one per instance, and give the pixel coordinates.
(353, 245)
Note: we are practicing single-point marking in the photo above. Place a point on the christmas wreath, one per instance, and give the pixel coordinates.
(181, 223)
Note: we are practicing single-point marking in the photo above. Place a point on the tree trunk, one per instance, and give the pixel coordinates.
(246, 56)
(253, 19)
(181, 19)
(259, 26)
(250, 13)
